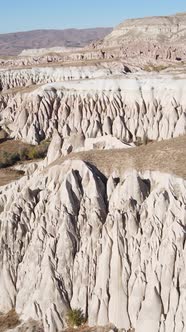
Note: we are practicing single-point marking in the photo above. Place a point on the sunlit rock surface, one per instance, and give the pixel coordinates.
(115, 248)
(126, 108)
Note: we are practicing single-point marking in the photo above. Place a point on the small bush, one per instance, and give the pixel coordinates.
(23, 154)
(9, 159)
(37, 152)
(75, 317)
(33, 153)
(142, 141)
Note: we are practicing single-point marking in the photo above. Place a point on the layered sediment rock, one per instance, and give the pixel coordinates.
(150, 38)
(158, 28)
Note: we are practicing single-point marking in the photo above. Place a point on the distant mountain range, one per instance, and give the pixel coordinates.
(14, 43)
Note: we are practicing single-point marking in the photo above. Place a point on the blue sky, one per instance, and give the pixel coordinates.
(21, 15)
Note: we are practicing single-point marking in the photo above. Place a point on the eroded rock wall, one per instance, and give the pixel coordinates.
(10, 78)
(127, 109)
(114, 248)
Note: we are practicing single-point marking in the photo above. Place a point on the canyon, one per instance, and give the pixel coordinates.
(99, 223)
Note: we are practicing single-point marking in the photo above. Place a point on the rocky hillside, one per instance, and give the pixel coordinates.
(129, 108)
(151, 38)
(166, 29)
(153, 43)
(113, 247)
(98, 224)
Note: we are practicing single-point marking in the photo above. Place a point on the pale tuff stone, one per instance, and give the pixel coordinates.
(72, 236)
(115, 250)
(151, 108)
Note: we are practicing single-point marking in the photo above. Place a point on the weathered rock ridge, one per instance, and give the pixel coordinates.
(115, 248)
(127, 109)
(159, 28)
(103, 231)
(10, 79)
(156, 40)
(149, 39)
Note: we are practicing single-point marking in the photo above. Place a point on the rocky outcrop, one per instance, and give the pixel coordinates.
(150, 39)
(66, 58)
(127, 109)
(78, 143)
(10, 79)
(170, 29)
(102, 231)
(113, 247)
(159, 41)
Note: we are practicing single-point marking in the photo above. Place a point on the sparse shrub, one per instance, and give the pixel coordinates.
(14, 157)
(23, 154)
(9, 159)
(32, 153)
(37, 152)
(5, 157)
(145, 140)
(75, 317)
(142, 141)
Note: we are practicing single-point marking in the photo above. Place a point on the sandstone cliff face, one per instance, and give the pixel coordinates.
(149, 39)
(161, 28)
(128, 109)
(114, 247)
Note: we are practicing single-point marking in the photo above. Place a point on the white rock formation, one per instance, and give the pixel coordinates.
(115, 249)
(13, 78)
(78, 143)
(73, 235)
(126, 108)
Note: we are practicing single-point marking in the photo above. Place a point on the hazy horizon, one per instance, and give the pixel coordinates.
(20, 16)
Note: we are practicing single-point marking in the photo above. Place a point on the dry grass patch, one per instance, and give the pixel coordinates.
(156, 68)
(8, 175)
(9, 320)
(21, 89)
(86, 328)
(168, 156)
(12, 151)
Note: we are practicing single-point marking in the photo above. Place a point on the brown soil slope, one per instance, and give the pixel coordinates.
(167, 156)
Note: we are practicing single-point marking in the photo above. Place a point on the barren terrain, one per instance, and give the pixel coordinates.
(15, 43)
(93, 179)
(167, 156)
